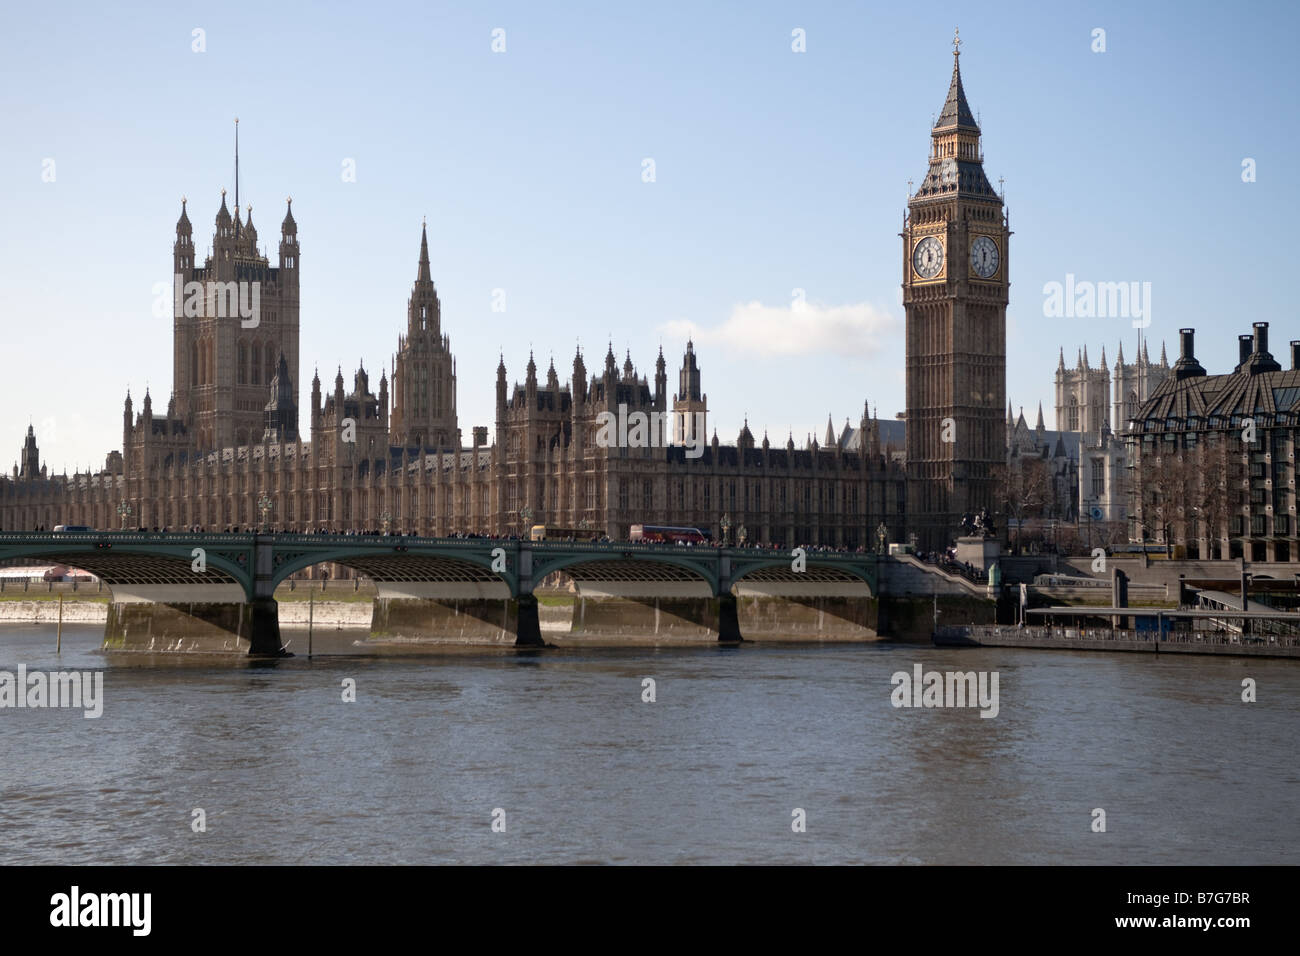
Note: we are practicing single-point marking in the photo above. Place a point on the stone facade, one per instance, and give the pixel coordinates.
(370, 466)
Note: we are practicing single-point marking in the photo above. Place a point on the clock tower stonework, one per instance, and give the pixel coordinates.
(955, 298)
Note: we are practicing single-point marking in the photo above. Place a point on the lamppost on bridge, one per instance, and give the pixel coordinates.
(525, 520)
(726, 528)
(386, 518)
(741, 536)
(124, 512)
(264, 506)
(882, 536)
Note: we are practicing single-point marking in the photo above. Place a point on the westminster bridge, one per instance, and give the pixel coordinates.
(216, 592)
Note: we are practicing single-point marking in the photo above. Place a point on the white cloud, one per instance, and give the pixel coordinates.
(804, 328)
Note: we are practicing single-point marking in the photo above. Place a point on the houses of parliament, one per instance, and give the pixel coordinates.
(230, 450)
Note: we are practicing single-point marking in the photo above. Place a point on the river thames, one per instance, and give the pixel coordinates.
(560, 749)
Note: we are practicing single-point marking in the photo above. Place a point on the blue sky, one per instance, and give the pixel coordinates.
(774, 171)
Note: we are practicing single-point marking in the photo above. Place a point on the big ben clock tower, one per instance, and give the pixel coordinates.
(955, 298)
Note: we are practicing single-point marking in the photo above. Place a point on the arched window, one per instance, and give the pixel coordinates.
(194, 364)
(1074, 414)
(241, 367)
(257, 364)
(270, 363)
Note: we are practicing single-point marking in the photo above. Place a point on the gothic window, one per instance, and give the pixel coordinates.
(256, 377)
(194, 364)
(647, 496)
(1074, 414)
(270, 363)
(622, 495)
(241, 369)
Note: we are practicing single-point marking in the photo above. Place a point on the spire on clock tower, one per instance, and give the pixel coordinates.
(956, 111)
(956, 158)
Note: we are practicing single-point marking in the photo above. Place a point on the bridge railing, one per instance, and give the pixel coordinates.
(386, 541)
(124, 537)
(978, 631)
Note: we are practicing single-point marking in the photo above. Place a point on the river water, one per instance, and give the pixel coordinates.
(582, 770)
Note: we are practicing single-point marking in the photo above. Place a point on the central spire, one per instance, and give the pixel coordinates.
(424, 274)
(236, 175)
(956, 111)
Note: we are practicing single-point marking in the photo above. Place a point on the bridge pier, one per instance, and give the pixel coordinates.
(728, 620)
(600, 617)
(212, 627)
(528, 628)
(432, 613)
(768, 614)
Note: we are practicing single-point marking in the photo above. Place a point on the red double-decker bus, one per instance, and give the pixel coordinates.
(662, 534)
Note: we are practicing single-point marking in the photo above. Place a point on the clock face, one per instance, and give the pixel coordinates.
(984, 257)
(927, 257)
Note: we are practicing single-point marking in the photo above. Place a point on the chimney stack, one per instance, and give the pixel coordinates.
(1187, 366)
(1295, 353)
(1261, 338)
(1245, 345)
